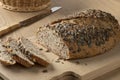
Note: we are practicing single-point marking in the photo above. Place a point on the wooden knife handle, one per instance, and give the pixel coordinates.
(33, 19)
(6, 29)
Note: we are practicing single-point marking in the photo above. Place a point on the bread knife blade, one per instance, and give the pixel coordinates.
(7, 29)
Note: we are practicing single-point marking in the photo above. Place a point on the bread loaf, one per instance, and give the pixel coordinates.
(5, 57)
(82, 35)
(32, 51)
(18, 56)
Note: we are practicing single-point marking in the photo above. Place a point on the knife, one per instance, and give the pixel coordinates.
(7, 29)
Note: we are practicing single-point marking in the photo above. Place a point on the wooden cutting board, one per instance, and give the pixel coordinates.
(88, 69)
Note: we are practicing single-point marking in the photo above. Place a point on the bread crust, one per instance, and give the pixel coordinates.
(22, 61)
(87, 33)
(32, 51)
(18, 56)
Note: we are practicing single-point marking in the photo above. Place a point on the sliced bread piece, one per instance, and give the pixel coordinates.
(18, 55)
(32, 51)
(5, 57)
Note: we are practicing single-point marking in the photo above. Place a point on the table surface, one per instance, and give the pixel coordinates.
(69, 7)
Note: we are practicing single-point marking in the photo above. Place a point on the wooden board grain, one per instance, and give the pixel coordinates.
(88, 68)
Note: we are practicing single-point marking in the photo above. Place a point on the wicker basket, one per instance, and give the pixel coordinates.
(25, 5)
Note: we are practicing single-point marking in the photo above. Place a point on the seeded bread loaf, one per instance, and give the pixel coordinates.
(82, 35)
(17, 54)
(32, 51)
(5, 57)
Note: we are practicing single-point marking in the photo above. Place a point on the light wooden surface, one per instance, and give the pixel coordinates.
(69, 7)
(88, 68)
(4, 30)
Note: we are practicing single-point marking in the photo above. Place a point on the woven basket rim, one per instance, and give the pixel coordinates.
(26, 9)
(24, 3)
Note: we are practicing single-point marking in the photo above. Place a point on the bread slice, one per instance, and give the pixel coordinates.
(82, 35)
(5, 57)
(17, 54)
(32, 51)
